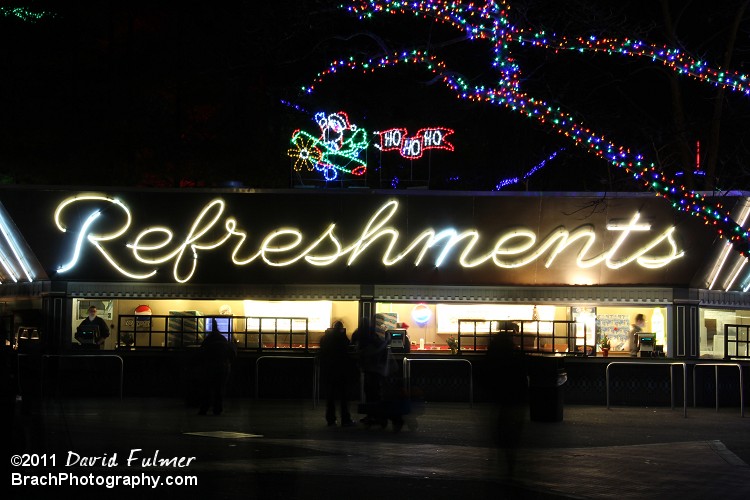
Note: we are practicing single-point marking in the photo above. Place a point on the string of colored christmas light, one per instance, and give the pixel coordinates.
(674, 59)
(25, 14)
(293, 106)
(532, 171)
(491, 22)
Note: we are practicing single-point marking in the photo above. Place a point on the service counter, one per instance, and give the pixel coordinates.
(434, 375)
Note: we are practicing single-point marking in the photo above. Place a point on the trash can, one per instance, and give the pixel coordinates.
(547, 376)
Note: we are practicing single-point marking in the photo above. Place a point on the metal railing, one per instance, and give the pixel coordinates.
(248, 332)
(44, 357)
(407, 372)
(716, 378)
(671, 379)
(315, 374)
(537, 336)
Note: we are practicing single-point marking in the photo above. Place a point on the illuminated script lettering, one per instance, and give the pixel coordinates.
(107, 228)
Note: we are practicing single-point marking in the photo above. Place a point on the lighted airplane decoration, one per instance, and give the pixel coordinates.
(340, 143)
(337, 148)
(491, 22)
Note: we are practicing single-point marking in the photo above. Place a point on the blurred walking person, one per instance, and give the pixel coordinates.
(337, 370)
(508, 383)
(215, 361)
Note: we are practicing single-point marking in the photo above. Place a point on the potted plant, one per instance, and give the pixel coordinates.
(127, 339)
(605, 345)
(452, 344)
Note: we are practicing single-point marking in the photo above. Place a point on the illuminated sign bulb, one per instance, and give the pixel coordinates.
(213, 229)
(421, 314)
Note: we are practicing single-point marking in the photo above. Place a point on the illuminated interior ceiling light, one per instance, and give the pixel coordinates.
(720, 264)
(14, 248)
(727, 246)
(21, 263)
(491, 22)
(737, 270)
(8, 270)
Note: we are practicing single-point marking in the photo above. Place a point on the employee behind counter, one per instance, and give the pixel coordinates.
(93, 330)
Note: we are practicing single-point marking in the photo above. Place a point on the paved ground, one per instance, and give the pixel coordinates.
(262, 449)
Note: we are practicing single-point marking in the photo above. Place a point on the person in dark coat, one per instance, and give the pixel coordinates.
(508, 386)
(215, 359)
(93, 320)
(372, 353)
(336, 371)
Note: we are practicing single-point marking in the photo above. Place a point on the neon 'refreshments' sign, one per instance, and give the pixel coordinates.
(213, 228)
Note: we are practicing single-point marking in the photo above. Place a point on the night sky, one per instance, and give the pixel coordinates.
(160, 94)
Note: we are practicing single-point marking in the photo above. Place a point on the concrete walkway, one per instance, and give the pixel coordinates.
(283, 449)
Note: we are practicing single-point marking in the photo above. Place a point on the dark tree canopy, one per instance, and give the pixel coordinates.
(204, 93)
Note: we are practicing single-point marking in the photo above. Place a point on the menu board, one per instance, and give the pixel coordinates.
(386, 321)
(617, 328)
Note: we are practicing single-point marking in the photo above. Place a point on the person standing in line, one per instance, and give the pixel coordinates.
(336, 370)
(215, 360)
(508, 385)
(372, 351)
(636, 328)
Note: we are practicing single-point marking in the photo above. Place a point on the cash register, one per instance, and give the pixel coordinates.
(398, 341)
(647, 345)
(87, 335)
